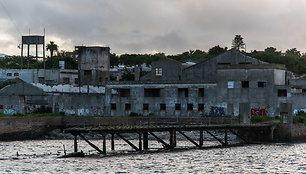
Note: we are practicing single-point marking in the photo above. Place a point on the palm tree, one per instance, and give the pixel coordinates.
(52, 47)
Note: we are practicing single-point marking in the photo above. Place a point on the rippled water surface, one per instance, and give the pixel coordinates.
(41, 157)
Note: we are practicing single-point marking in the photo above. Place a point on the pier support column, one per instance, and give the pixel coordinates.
(145, 141)
(75, 143)
(104, 144)
(225, 137)
(140, 143)
(113, 142)
(201, 138)
(172, 138)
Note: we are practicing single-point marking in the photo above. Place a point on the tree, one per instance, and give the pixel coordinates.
(52, 47)
(216, 50)
(238, 43)
(293, 52)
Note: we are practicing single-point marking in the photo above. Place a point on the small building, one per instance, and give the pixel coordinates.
(93, 65)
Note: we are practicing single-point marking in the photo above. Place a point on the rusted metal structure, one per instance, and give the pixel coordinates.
(32, 40)
(247, 133)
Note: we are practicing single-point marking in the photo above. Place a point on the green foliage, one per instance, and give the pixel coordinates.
(128, 77)
(134, 114)
(291, 60)
(300, 117)
(259, 119)
(216, 50)
(238, 43)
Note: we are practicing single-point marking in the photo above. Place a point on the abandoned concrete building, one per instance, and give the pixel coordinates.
(223, 85)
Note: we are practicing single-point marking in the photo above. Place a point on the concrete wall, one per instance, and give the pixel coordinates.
(79, 104)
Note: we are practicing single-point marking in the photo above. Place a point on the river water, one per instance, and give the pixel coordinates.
(41, 157)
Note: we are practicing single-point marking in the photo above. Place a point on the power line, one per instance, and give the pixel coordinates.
(9, 16)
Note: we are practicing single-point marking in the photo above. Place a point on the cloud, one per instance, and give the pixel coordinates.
(145, 26)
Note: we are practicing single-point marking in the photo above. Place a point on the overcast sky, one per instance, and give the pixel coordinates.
(149, 26)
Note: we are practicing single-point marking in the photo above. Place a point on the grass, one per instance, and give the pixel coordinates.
(261, 119)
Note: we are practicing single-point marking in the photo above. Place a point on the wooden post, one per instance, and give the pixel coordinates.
(145, 141)
(113, 142)
(75, 143)
(201, 138)
(172, 139)
(140, 143)
(104, 144)
(225, 137)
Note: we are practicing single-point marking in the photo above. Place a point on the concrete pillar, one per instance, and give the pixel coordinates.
(286, 113)
(244, 113)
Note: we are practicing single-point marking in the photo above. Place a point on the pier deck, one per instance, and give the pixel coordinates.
(243, 132)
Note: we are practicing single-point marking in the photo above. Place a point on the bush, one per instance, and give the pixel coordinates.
(134, 114)
(258, 119)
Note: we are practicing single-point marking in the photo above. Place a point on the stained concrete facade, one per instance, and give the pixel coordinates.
(93, 65)
(224, 85)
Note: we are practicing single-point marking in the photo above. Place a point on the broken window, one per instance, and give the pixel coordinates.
(182, 92)
(282, 93)
(76, 80)
(262, 84)
(124, 92)
(201, 92)
(113, 106)
(189, 107)
(152, 92)
(162, 107)
(66, 80)
(41, 79)
(230, 84)
(200, 107)
(158, 71)
(16, 74)
(244, 84)
(8, 74)
(177, 107)
(145, 107)
(127, 107)
(303, 90)
(1, 106)
(223, 63)
(245, 63)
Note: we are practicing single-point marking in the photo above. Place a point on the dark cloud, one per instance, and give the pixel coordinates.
(145, 26)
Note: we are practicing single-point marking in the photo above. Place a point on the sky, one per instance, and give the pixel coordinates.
(151, 26)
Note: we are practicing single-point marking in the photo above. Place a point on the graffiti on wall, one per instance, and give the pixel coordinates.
(9, 111)
(296, 111)
(216, 111)
(259, 111)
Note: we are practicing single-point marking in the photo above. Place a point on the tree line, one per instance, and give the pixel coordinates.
(294, 60)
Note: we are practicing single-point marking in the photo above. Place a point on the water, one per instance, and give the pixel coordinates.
(41, 157)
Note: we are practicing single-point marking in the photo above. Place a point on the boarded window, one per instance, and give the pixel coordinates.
(124, 92)
(162, 107)
(182, 92)
(189, 107)
(113, 106)
(158, 71)
(262, 84)
(200, 107)
(177, 107)
(244, 84)
(127, 107)
(152, 92)
(201, 92)
(282, 93)
(145, 107)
